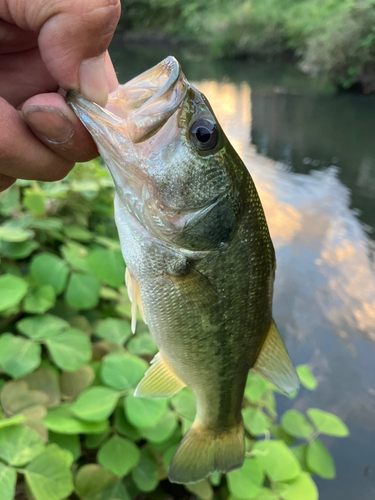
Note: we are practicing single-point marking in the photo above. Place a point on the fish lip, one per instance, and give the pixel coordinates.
(83, 107)
(141, 106)
(170, 66)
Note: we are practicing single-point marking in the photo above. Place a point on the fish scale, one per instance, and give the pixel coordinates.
(199, 255)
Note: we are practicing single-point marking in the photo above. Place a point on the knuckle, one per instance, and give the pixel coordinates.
(101, 15)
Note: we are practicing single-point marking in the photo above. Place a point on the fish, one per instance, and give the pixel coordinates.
(200, 263)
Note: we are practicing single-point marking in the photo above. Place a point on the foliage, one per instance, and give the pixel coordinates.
(344, 45)
(336, 37)
(69, 423)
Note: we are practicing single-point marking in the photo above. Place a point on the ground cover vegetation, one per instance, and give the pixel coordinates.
(332, 37)
(69, 424)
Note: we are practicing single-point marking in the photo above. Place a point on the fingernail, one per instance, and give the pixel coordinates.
(93, 82)
(50, 123)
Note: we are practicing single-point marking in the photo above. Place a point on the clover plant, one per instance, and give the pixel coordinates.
(70, 426)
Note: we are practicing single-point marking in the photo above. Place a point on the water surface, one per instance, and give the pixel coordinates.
(311, 153)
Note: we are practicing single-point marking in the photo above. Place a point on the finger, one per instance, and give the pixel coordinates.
(110, 72)
(5, 182)
(22, 75)
(73, 36)
(22, 155)
(14, 39)
(57, 126)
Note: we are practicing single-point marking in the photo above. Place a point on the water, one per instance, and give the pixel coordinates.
(312, 156)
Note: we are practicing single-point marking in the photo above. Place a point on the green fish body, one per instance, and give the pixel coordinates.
(200, 261)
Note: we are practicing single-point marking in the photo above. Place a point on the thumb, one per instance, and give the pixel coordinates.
(73, 37)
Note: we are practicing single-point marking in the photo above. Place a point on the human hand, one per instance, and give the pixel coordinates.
(47, 47)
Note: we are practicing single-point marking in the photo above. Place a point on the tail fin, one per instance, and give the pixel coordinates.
(203, 451)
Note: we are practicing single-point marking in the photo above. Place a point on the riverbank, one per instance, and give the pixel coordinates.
(334, 39)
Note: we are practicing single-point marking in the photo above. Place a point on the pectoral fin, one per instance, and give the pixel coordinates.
(135, 298)
(274, 363)
(159, 381)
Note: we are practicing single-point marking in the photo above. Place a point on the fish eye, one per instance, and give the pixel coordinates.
(204, 134)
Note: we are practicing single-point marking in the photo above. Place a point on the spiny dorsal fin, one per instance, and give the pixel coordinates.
(159, 381)
(135, 298)
(274, 363)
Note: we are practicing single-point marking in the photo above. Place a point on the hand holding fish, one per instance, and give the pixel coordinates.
(48, 46)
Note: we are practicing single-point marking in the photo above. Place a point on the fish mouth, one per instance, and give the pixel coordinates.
(138, 109)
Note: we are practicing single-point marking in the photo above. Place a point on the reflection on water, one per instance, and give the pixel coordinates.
(312, 131)
(324, 300)
(311, 225)
(325, 286)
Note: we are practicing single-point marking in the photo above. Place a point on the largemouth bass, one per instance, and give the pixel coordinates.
(200, 261)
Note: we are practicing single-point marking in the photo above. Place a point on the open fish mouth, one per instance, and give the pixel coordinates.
(139, 108)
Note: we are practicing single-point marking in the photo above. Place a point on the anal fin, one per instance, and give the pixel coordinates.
(159, 381)
(274, 363)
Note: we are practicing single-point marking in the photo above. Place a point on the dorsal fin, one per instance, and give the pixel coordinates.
(159, 381)
(274, 363)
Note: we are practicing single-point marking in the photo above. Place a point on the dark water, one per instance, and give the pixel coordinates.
(319, 198)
